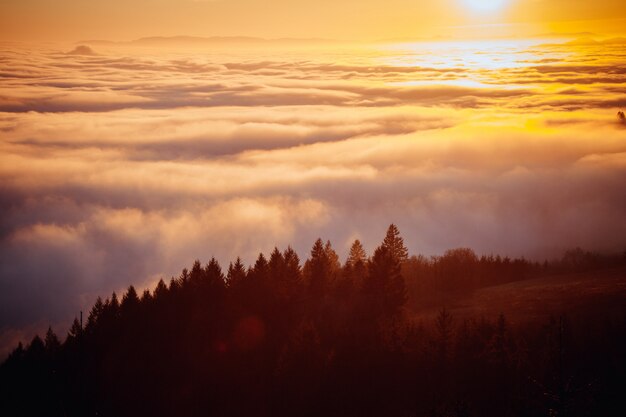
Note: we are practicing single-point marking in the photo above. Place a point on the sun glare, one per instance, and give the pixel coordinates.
(484, 5)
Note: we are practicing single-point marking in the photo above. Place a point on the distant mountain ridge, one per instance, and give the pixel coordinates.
(198, 40)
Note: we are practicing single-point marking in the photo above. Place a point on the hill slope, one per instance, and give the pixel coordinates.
(593, 293)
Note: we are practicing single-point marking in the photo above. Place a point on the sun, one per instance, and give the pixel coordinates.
(484, 5)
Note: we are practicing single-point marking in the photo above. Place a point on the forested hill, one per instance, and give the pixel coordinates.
(322, 338)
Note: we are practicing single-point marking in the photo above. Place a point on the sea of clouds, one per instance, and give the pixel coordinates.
(120, 166)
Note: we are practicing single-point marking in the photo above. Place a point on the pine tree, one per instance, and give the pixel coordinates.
(213, 275)
(160, 290)
(196, 273)
(146, 297)
(277, 265)
(75, 331)
(236, 273)
(384, 286)
(395, 244)
(293, 271)
(333, 258)
(317, 269)
(52, 341)
(357, 255)
(36, 350)
(114, 304)
(94, 314)
(354, 269)
(261, 267)
(130, 300)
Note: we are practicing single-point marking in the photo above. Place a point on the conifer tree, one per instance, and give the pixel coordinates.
(114, 304)
(130, 300)
(146, 296)
(384, 285)
(357, 258)
(52, 341)
(36, 349)
(318, 269)
(395, 244)
(196, 272)
(213, 274)
(236, 273)
(261, 267)
(292, 265)
(94, 314)
(75, 331)
(333, 258)
(354, 269)
(357, 255)
(277, 265)
(160, 290)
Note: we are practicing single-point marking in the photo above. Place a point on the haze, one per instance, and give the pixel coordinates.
(121, 163)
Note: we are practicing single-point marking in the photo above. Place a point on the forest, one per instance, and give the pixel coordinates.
(286, 337)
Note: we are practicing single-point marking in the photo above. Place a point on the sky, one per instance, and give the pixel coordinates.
(122, 163)
(74, 20)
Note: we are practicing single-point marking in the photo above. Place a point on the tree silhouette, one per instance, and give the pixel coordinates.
(75, 330)
(279, 339)
(395, 244)
(333, 260)
(236, 273)
(354, 270)
(130, 300)
(293, 271)
(52, 341)
(384, 285)
(357, 261)
(95, 314)
(318, 270)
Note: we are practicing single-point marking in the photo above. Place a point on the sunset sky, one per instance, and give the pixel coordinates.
(338, 19)
(121, 162)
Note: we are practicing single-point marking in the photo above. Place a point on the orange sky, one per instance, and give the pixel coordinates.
(72, 20)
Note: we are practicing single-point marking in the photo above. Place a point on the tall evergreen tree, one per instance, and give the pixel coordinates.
(395, 244)
(130, 300)
(36, 350)
(75, 330)
(213, 275)
(333, 259)
(196, 272)
(292, 265)
(160, 290)
(277, 265)
(52, 341)
(384, 286)
(94, 314)
(261, 267)
(354, 269)
(146, 297)
(114, 304)
(357, 255)
(317, 269)
(236, 273)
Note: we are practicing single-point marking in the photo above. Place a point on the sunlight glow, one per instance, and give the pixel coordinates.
(484, 5)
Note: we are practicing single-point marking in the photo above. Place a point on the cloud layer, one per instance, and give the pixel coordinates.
(120, 166)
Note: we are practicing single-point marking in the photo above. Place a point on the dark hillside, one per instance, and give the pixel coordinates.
(590, 294)
(286, 338)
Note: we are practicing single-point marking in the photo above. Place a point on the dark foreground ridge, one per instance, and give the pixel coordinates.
(324, 339)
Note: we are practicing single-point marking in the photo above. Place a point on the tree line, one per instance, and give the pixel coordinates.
(322, 338)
